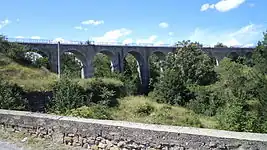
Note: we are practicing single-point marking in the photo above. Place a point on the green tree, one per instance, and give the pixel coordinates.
(70, 66)
(259, 55)
(187, 65)
(102, 65)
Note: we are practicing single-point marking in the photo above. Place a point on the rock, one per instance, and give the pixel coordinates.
(109, 144)
(121, 144)
(114, 148)
(71, 135)
(102, 145)
(213, 145)
(233, 146)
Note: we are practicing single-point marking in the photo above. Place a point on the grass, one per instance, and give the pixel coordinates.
(143, 109)
(31, 79)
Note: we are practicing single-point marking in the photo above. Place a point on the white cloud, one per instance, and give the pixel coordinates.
(19, 37)
(223, 5)
(35, 37)
(4, 23)
(80, 28)
(113, 36)
(150, 39)
(164, 25)
(17, 19)
(92, 22)
(248, 34)
(127, 41)
(251, 4)
(170, 33)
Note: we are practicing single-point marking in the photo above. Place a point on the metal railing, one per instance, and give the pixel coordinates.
(44, 41)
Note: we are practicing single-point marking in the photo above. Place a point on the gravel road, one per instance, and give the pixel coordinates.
(9, 146)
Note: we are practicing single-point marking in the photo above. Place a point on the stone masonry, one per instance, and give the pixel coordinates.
(115, 135)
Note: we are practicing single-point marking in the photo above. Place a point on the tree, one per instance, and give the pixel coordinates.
(259, 56)
(71, 66)
(187, 65)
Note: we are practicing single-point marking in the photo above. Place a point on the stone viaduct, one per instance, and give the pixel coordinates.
(85, 53)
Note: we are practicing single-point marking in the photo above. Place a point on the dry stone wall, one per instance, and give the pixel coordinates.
(114, 135)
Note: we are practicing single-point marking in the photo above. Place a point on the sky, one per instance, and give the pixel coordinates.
(232, 22)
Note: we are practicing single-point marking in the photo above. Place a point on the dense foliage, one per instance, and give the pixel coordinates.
(188, 65)
(11, 96)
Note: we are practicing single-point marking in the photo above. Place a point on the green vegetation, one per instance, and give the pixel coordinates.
(186, 88)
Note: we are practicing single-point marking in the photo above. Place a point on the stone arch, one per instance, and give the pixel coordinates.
(102, 56)
(80, 56)
(159, 54)
(41, 52)
(233, 55)
(142, 70)
(139, 58)
(248, 54)
(114, 59)
(35, 53)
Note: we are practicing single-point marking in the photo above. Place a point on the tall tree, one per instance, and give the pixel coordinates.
(187, 65)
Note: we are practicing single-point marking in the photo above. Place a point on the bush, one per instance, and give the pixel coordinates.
(206, 100)
(11, 96)
(104, 91)
(95, 112)
(144, 109)
(67, 95)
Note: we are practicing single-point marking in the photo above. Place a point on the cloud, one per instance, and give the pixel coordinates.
(164, 25)
(113, 36)
(170, 33)
(18, 20)
(80, 28)
(127, 41)
(92, 22)
(19, 37)
(35, 37)
(150, 39)
(248, 34)
(4, 23)
(251, 4)
(223, 5)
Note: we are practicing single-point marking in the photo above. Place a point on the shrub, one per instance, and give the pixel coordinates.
(95, 112)
(104, 91)
(206, 100)
(67, 95)
(11, 96)
(144, 109)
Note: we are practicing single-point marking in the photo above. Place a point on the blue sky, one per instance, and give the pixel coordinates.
(233, 22)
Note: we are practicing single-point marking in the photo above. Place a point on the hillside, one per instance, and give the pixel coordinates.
(31, 79)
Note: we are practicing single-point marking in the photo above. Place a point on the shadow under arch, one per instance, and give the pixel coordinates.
(159, 54)
(36, 57)
(104, 62)
(134, 72)
(77, 58)
(233, 56)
